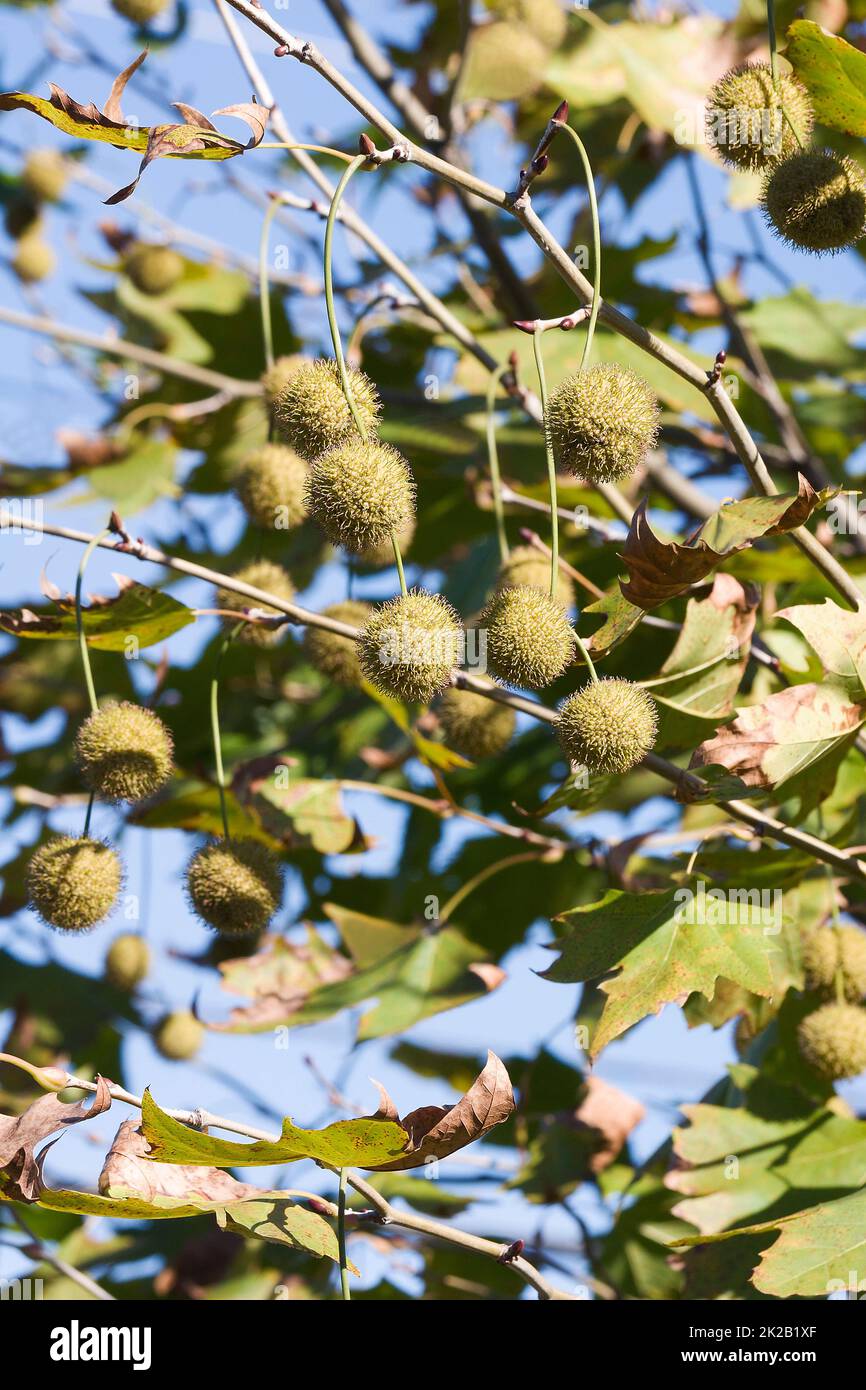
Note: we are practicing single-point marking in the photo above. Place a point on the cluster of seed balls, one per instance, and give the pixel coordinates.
(832, 1038)
(43, 181)
(814, 199)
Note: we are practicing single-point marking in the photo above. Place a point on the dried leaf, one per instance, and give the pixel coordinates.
(20, 1134)
(279, 978)
(147, 615)
(612, 1114)
(437, 1131)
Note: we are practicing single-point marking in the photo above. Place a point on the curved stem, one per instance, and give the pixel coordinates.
(398, 559)
(215, 725)
(551, 465)
(493, 462)
(593, 674)
(79, 619)
(482, 877)
(264, 284)
(596, 242)
(341, 1237)
(315, 149)
(329, 292)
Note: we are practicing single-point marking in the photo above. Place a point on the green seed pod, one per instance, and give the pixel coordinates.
(608, 725)
(409, 646)
(474, 726)
(526, 565)
(816, 200)
(271, 486)
(124, 752)
(141, 12)
(546, 19)
(529, 638)
(127, 961)
(153, 269)
(74, 882)
(504, 62)
(273, 579)
(234, 887)
(833, 1040)
(831, 950)
(312, 413)
(602, 422)
(336, 657)
(276, 377)
(752, 122)
(382, 555)
(359, 493)
(44, 175)
(33, 259)
(179, 1036)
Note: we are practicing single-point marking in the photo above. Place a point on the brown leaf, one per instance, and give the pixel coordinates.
(612, 1114)
(128, 1172)
(112, 108)
(437, 1131)
(279, 978)
(19, 1135)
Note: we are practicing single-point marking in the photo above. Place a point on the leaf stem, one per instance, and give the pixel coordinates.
(341, 1237)
(596, 242)
(493, 462)
(314, 149)
(551, 465)
(79, 619)
(215, 725)
(398, 559)
(354, 165)
(264, 284)
(476, 881)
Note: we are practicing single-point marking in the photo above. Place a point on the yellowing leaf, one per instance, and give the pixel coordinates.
(833, 71)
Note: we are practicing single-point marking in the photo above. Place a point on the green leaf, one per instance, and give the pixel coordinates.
(362, 1143)
(817, 1252)
(298, 811)
(838, 638)
(285, 1223)
(833, 71)
(140, 478)
(661, 954)
(137, 617)
(197, 808)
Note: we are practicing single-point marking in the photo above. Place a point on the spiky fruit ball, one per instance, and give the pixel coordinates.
(124, 752)
(312, 413)
(526, 565)
(276, 377)
(179, 1036)
(336, 657)
(529, 638)
(234, 887)
(73, 882)
(830, 950)
(141, 12)
(383, 554)
(271, 486)
(473, 725)
(602, 422)
(273, 579)
(409, 646)
(359, 493)
(33, 259)
(751, 121)
(816, 200)
(127, 961)
(153, 269)
(44, 175)
(833, 1040)
(546, 19)
(608, 725)
(504, 62)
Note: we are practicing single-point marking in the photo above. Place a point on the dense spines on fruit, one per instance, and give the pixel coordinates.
(312, 413)
(836, 951)
(272, 579)
(409, 646)
(179, 1036)
(530, 641)
(816, 200)
(526, 565)
(752, 121)
(333, 656)
(360, 493)
(608, 725)
(234, 887)
(278, 375)
(73, 882)
(473, 725)
(271, 485)
(153, 269)
(833, 1040)
(124, 752)
(127, 961)
(382, 555)
(602, 422)
(44, 175)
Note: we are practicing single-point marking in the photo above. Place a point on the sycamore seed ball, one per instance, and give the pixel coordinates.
(336, 657)
(752, 122)
(273, 579)
(473, 725)
(141, 12)
(271, 486)
(179, 1036)
(234, 887)
(154, 269)
(124, 752)
(312, 413)
(74, 882)
(383, 554)
(359, 493)
(526, 565)
(833, 1040)
(33, 259)
(608, 725)
(276, 377)
(504, 62)
(127, 961)
(816, 200)
(529, 638)
(44, 175)
(602, 422)
(831, 950)
(409, 646)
